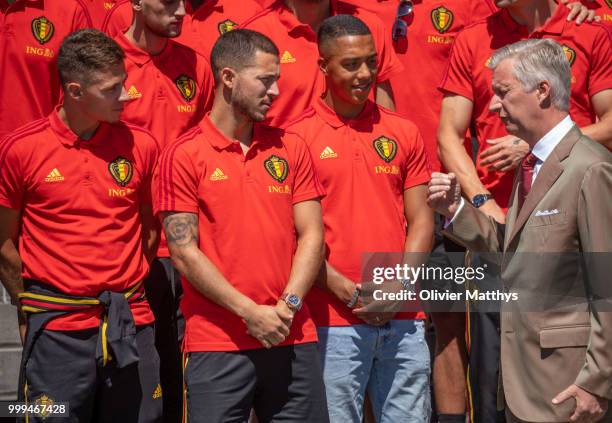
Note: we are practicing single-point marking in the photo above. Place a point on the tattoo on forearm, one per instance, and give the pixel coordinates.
(181, 228)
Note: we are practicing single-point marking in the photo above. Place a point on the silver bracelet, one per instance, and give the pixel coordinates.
(354, 298)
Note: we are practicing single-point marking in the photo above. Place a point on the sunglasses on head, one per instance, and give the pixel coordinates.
(400, 27)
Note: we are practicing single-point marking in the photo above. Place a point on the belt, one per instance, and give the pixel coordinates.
(117, 331)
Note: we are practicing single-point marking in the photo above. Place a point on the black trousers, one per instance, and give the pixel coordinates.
(483, 329)
(484, 367)
(164, 292)
(62, 368)
(282, 384)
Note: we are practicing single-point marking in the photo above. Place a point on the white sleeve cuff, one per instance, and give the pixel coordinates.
(448, 221)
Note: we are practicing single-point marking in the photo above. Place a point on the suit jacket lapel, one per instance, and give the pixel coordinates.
(548, 174)
(513, 208)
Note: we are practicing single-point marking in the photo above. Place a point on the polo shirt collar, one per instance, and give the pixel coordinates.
(65, 135)
(554, 25)
(213, 135)
(139, 56)
(219, 141)
(336, 121)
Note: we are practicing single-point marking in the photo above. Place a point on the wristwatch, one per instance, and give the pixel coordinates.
(293, 301)
(479, 199)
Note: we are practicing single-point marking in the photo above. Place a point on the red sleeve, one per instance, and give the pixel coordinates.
(416, 167)
(458, 76)
(306, 185)
(600, 72)
(81, 17)
(175, 184)
(12, 189)
(388, 63)
(150, 153)
(118, 19)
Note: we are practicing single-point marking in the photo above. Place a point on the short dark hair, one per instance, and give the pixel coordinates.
(86, 51)
(341, 26)
(236, 49)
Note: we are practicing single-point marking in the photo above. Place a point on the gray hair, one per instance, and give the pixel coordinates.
(538, 60)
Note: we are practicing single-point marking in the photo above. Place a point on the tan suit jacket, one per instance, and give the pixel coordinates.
(544, 352)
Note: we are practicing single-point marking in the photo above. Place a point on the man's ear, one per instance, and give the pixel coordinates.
(73, 90)
(228, 77)
(323, 65)
(543, 93)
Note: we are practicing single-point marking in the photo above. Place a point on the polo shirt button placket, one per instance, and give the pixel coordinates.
(357, 149)
(247, 159)
(83, 150)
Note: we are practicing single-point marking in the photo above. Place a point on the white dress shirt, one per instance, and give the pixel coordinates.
(548, 142)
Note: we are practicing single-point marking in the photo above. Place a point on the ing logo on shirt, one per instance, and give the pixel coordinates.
(570, 53)
(42, 29)
(226, 26)
(386, 148)
(277, 167)
(186, 86)
(121, 170)
(442, 19)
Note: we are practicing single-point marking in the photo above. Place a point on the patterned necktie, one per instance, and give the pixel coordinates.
(527, 168)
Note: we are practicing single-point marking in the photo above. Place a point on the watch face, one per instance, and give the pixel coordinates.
(294, 300)
(479, 200)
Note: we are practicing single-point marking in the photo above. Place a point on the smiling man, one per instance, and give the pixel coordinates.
(293, 25)
(373, 167)
(240, 207)
(75, 189)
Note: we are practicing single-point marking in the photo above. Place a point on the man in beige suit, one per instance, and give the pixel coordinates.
(556, 362)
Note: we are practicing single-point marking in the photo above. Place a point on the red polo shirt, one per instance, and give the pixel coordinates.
(119, 18)
(216, 17)
(80, 225)
(170, 92)
(424, 53)
(98, 9)
(588, 47)
(31, 33)
(245, 210)
(364, 183)
(301, 80)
